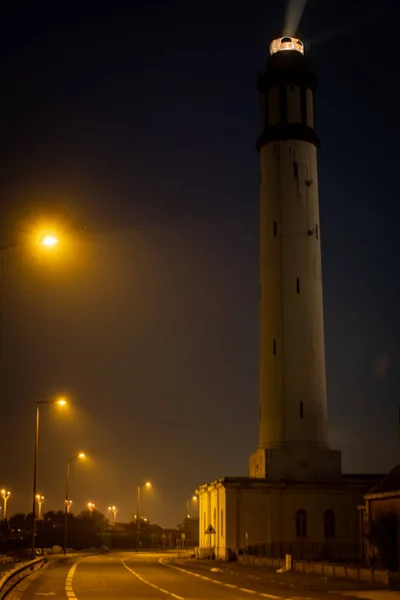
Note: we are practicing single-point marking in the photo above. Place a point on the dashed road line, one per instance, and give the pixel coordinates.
(156, 587)
(68, 582)
(229, 585)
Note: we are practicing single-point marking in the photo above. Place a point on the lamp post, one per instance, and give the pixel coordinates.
(39, 500)
(5, 494)
(61, 402)
(67, 501)
(192, 499)
(114, 511)
(91, 507)
(147, 484)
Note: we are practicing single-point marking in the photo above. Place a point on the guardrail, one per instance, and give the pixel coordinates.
(10, 579)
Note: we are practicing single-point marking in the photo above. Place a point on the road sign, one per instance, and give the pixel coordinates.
(210, 529)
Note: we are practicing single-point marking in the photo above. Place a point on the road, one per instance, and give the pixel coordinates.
(149, 577)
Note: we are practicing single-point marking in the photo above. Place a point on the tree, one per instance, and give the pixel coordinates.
(190, 527)
(17, 522)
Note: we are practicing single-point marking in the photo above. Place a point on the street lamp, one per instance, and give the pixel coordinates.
(114, 511)
(60, 402)
(90, 506)
(49, 241)
(39, 500)
(147, 484)
(192, 499)
(46, 241)
(67, 501)
(5, 494)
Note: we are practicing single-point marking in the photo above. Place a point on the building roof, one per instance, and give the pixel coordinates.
(356, 481)
(389, 483)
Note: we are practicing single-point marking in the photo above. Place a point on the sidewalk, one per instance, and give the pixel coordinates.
(291, 579)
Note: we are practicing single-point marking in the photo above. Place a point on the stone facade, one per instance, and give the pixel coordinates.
(308, 520)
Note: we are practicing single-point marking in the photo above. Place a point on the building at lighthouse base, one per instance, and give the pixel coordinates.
(315, 520)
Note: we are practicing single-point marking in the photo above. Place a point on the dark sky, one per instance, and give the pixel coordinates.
(140, 122)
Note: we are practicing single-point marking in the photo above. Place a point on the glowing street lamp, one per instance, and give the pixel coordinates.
(39, 500)
(147, 485)
(5, 494)
(67, 501)
(114, 511)
(46, 242)
(192, 499)
(49, 241)
(90, 506)
(60, 402)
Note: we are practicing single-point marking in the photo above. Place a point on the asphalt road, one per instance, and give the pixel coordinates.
(149, 577)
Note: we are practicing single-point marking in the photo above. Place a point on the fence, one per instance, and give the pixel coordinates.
(10, 579)
(329, 551)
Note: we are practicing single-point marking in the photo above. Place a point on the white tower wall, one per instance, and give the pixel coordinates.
(292, 355)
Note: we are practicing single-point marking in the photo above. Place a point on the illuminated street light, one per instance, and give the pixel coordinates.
(39, 500)
(147, 485)
(46, 242)
(60, 402)
(114, 511)
(90, 506)
(49, 241)
(5, 494)
(67, 501)
(192, 499)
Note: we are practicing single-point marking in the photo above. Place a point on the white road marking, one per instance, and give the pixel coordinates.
(229, 585)
(68, 582)
(45, 593)
(151, 584)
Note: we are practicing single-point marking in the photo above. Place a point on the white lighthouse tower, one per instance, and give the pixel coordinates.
(296, 499)
(293, 431)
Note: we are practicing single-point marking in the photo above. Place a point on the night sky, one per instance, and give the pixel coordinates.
(133, 130)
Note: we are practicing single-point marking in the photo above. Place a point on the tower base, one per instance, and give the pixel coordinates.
(296, 462)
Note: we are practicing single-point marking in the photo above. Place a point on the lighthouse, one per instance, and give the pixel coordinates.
(296, 498)
(293, 422)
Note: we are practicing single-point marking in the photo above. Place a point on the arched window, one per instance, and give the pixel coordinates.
(329, 524)
(222, 523)
(301, 523)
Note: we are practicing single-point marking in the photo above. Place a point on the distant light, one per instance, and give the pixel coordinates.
(81, 455)
(148, 484)
(194, 498)
(49, 241)
(62, 402)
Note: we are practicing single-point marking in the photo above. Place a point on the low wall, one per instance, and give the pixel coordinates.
(261, 561)
(376, 576)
